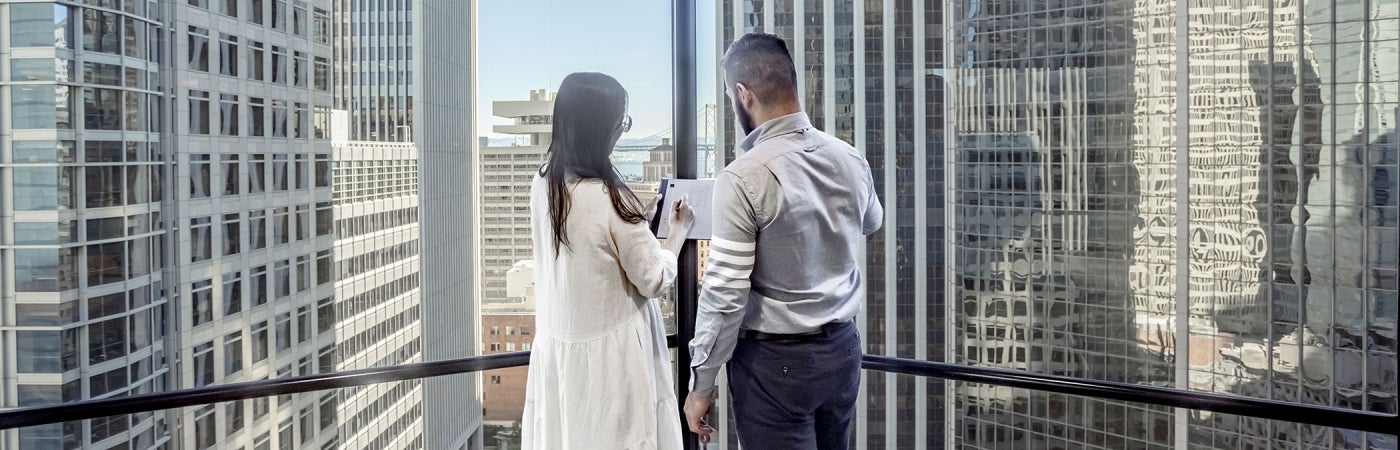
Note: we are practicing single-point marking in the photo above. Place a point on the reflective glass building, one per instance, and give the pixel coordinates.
(1185, 194)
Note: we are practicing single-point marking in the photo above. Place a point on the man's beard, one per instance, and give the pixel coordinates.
(745, 120)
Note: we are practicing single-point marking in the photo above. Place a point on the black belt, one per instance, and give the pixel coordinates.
(824, 331)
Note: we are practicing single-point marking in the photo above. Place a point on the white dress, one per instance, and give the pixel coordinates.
(600, 371)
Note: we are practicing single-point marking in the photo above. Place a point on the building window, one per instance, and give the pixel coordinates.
(205, 435)
(201, 239)
(101, 32)
(200, 174)
(282, 279)
(495, 379)
(279, 118)
(303, 219)
(106, 263)
(228, 115)
(232, 176)
(203, 4)
(495, 330)
(199, 112)
(228, 55)
(257, 118)
(256, 61)
(257, 229)
(203, 364)
(259, 281)
(304, 329)
(299, 69)
(201, 302)
(322, 77)
(321, 26)
(284, 331)
(232, 236)
(300, 119)
(102, 109)
(233, 353)
(256, 11)
(233, 293)
(279, 64)
(279, 15)
(40, 25)
(233, 414)
(259, 345)
(197, 41)
(324, 218)
(299, 21)
(510, 346)
(510, 331)
(303, 273)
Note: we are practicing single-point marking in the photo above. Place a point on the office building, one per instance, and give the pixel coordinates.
(1203, 206)
(508, 327)
(86, 219)
(506, 175)
(394, 285)
(868, 72)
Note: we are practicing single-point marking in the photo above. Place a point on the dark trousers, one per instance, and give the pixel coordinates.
(797, 394)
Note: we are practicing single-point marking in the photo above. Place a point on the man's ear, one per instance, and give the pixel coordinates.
(743, 95)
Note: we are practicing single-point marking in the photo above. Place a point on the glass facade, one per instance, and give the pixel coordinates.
(1173, 193)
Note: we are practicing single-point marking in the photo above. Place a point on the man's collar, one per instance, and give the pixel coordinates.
(776, 127)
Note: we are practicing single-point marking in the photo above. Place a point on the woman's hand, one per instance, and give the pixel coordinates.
(682, 219)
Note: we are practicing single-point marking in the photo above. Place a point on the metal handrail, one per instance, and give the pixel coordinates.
(1226, 404)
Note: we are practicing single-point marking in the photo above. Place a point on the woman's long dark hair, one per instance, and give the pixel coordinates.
(588, 115)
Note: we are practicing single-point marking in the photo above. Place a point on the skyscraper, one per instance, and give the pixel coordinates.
(868, 72)
(86, 216)
(506, 175)
(180, 235)
(1181, 194)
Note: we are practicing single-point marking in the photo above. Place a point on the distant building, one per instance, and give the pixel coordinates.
(504, 189)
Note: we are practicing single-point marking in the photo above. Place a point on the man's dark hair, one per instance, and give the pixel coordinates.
(761, 62)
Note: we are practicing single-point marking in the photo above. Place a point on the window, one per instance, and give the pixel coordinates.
(299, 21)
(324, 219)
(303, 222)
(259, 345)
(230, 8)
(279, 64)
(256, 61)
(257, 119)
(233, 293)
(325, 317)
(39, 395)
(228, 115)
(322, 74)
(136, 38)
(279, 172)
(232, 237)
(233, 414)
(199, 112)
(323, 170)
(102, 109)
(303, 273)
(259, 280)
(203, 364)
(495, 346)
(285, 439)
(279, 15)
(232, 177)
(204, 429)
(233, 353)
(40, 25)
(257, 229)
(106, 341)
(203, 4)
(495, 330)
(495, 379)
(510, 346)
(106, 263)
(201, 302)
(304, 326)
(200, 175)
(282, 278)
(279, 118)
(38, 351)
(101, 32)
(284, 331)
(300, 67)
(197, 41)
(510, 331)
(256, 11)
(323, 267)
(321, 26)
(301, 120)
(228, 55)
(524, 331)
(201, 239)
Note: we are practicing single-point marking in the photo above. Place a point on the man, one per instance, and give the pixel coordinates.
(783, 283)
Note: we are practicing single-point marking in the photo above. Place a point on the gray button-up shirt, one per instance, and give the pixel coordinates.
(789, 219)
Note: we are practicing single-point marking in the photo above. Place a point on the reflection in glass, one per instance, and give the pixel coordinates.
(35, 188)
(102, 109)
(101, 32)
(39, 25)
(37, 351)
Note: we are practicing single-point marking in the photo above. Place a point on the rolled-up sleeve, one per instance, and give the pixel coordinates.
(725, 287)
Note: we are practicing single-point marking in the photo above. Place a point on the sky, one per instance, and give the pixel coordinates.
(533, 44)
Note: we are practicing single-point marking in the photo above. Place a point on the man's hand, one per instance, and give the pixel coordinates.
(696, 407)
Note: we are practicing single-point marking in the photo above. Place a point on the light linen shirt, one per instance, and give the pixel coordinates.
(790, 216)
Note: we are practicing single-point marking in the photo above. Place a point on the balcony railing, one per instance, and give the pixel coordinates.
(1226, 404)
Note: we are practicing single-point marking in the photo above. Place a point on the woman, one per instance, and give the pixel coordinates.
(600, 371)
